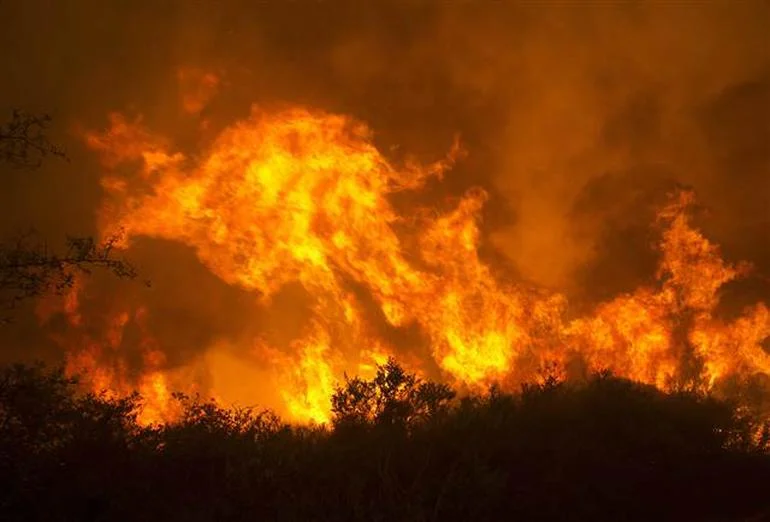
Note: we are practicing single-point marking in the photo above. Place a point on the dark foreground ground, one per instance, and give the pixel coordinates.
(398, 450)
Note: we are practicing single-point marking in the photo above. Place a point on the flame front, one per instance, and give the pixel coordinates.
(304, 197)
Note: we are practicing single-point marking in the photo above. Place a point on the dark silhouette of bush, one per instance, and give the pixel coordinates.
(393, 398)
(398, 449)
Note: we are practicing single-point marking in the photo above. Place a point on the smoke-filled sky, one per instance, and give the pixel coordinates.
(577, 117)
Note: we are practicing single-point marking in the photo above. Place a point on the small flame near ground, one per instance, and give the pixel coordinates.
(299, 196)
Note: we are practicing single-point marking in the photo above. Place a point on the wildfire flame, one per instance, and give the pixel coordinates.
(297, 196)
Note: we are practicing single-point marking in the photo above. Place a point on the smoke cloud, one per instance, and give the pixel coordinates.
(577, 119)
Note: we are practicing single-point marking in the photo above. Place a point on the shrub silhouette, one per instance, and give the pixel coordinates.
(398, 449)
(392, 397)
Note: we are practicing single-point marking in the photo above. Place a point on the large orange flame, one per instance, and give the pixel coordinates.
(302, 196)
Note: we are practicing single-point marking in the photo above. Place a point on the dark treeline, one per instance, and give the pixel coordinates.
(398, 449)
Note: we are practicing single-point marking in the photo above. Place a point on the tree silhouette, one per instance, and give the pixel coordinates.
(23, 140)
(27, 267)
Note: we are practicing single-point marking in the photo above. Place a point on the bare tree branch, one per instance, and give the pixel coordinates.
(23, 142)
(29, 269)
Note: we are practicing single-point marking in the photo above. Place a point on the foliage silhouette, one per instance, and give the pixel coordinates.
(27, 267)
(393, 397)
(605, 449)
(23, 140)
